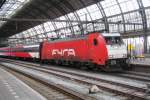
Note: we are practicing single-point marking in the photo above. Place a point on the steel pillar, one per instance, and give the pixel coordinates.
(144, 21)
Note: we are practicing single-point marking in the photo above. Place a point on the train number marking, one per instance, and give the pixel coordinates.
(62, 52)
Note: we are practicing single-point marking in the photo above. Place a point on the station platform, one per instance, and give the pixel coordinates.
(141, 64)
(12, 88)
(141, 61)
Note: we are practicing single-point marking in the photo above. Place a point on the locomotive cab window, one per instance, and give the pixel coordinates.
(95, 42)
(113, 40)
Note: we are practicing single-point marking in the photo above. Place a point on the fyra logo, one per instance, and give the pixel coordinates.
(62, 52)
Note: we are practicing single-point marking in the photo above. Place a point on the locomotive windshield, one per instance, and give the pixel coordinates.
(113, 40)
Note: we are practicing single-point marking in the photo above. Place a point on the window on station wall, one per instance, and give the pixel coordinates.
(111, 7)
(128, 5)
(146, 3)
(139, 27)
(148, 17)
(76, 29)
(116, 19)
(130, 27)
(113, 28)
(118, 27)
(99, 26)
(134, 17)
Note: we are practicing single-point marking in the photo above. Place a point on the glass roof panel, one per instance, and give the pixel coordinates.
(71, 16)
(10, 7)
(134, 17)
(93, 12)
(128, 5)
(147, 11)
(50, 25)
(83, 13)
(111, 7)
(146, 3)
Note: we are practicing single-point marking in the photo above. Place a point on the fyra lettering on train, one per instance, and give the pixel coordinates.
(62, 52)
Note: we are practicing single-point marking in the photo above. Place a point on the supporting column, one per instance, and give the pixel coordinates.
(144, 21)
(104, 16)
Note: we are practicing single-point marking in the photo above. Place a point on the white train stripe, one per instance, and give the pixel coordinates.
(31, 46)
(34, 54)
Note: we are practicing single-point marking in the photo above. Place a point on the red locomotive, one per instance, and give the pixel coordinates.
(92, 49)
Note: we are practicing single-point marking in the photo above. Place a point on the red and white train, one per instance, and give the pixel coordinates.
(100, 50)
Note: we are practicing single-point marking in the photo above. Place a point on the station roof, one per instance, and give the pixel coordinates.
(38, 9)
(122, 16)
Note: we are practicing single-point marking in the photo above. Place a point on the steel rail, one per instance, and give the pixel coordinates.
(108, 86)
(65, 90)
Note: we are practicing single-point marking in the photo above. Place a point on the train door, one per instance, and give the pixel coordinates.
(40, 50)
(98, 50)
(93, 42)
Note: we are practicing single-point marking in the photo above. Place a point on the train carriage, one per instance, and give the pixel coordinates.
(82, 49)
(25, 52)
(103, 50)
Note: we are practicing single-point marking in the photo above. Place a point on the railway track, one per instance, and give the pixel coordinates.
(127, 74)
(43, 89)
(118, 88)
(134, 75)
(86, 76)
(57, 89)
(138, 73)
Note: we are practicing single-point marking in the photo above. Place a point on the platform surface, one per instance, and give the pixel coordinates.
(12, 88)
(141, 61)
